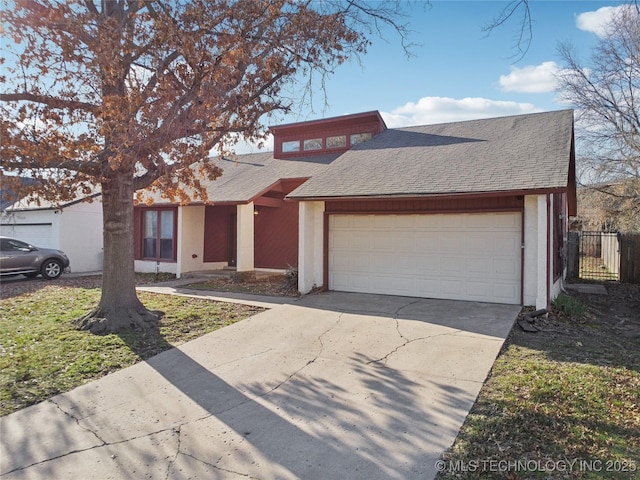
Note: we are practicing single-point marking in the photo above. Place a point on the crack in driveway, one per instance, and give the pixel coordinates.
(287, 379)
(178, 432)
(77, 421)
(88, 449)
(215, 466)
(407, 341)
(383, 360)
(313, 360)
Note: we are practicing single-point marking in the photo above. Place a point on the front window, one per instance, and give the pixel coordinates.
(158, 239)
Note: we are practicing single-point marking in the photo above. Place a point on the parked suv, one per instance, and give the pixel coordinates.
(18, 257)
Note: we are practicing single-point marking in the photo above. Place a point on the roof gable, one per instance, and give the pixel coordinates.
(246, 177)
(517, 153)
(325, 136)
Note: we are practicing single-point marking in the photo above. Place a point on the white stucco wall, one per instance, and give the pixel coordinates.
(555, 287)
(81, 236)
(190, 239)
(543, 251)
(530, 272)
(538, 252)
(245, 235)
(151, 266)
(310, 245)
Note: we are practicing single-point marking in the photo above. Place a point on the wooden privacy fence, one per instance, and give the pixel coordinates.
(630, 258)
(604, 256)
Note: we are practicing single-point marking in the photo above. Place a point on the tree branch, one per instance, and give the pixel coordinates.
(525, 34)
(88, 168)
(53, 102)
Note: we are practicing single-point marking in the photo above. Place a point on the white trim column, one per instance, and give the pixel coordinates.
(310, 245)
(245, 238)
(179, 234)
(535, 251)
(541, 292)
(530, 272)
(191, 239)
(555, 287)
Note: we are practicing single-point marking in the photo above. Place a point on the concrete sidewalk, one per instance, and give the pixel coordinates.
(331, 386)
(180, 287)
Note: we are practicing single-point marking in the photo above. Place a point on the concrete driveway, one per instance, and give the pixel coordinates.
(335, 385)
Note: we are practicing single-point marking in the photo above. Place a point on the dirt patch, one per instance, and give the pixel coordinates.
(15, 286)
(608, 333)
(278, 285)
(273, 285)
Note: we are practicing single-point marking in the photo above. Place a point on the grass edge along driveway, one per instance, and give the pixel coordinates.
(560, 403)
(42, 355)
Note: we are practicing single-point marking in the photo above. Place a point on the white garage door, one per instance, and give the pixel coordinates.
(40, 235)
(456, 256)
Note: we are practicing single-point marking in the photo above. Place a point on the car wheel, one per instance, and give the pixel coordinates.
(51, 269)
(31, 274)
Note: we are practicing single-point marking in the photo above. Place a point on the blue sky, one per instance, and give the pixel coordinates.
(457, 71)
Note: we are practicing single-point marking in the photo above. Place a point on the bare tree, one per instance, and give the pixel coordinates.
(606, 94)
(131, 94)
(524, 30)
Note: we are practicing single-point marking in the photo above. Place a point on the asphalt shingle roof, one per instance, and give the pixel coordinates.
(513, 153)
(249, 175)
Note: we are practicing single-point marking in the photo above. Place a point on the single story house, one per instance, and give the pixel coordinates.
(475, 210)
(74, 227)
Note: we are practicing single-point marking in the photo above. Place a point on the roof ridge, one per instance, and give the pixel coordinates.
(485, 119)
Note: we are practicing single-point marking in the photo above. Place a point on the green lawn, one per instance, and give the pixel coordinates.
(41, 354)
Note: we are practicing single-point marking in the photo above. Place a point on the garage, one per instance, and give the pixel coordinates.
(474, 256)
(39, 234)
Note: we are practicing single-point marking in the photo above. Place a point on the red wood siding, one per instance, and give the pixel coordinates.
(216, 233)
(427, 205)
(369, 122)
(276, 236)
(137, 233)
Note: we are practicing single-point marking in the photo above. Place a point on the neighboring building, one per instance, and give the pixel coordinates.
(474, 210)
(74, 227)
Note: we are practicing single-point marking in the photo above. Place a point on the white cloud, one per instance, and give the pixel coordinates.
(432, 110)
(531, 79)
(428, 110)
(598, 21)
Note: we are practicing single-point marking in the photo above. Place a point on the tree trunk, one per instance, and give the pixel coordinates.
(119, 308)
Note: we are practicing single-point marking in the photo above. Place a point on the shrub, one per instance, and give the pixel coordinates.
(570, 306)
(291, 278)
